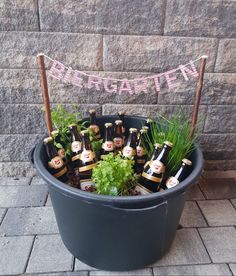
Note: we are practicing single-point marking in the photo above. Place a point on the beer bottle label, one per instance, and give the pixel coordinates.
(108, 146)
(76, 146)
(140, 151)
(95, 128)
(56, 163)
(118, 142)
(157, 166)
(87, 185)
(129, 151)
(142, 190)
(61, 153)
(87, 156)
(171, 182)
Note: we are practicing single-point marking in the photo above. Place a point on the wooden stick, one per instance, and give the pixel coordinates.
(44, 85)
(198, 94)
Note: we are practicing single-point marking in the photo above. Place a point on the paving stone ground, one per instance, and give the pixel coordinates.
(205, 245)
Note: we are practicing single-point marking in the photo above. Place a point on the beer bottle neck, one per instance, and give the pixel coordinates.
(51, 150)
(132, 140)
(118, 130)
(141, 140)
(75, 134)
(86, 142)
(122, 117)
(163, 154)
(180, 172)
(108, 134)
(93, 119)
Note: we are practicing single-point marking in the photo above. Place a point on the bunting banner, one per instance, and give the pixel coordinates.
(112, 85)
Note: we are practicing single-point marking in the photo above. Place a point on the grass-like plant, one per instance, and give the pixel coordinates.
(175, 129)
(113, 175)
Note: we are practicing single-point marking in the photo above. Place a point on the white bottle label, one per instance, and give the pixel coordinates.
(76, 146)
(86, 185)
(108, 146)
(56, 162)
(140, 151)
(118, 142)
(171, 182)
(157, 166)
(61, 153)
(128, 151)
(87, 156)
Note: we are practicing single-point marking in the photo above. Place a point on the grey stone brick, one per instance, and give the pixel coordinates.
(194, 270)
(22, 196)
(217, 89)
(16, 169)
(49, 201)
(49, 254)
(233, 201)
(194, 193)
(78, 273)
(63, 92)
(8, 181)
(82, 266)
(20, 86)
(191, 216)
(29, 221)
(81, 51)
(37, 180)
(200, 18)
(141, 272)
(225, 61)
(14, 252)
(17, 146)
(233, 268)
(2, 213)
(218, 212)
(220, 119)
(220, 164)
(19, 16)
(112, 17)
(219, 188)
(220, 243)
(187, 248)
(226, 147)
(155, 53)
(220, 174)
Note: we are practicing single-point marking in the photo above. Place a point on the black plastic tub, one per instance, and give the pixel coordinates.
(117, 233)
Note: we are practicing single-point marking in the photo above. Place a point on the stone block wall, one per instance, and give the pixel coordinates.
(120, 38)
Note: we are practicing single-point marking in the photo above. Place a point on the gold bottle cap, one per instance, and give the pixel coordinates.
(108, 125)
(55, 132)
(187, 162)
(145, 127)
(92, 111)
(48, 139)
(157, 145)
(121, 113)
(143, 130)
(83, 132)
(169, 144)
(71, 125)
(118, 122)
(149, 120)
(132, 129)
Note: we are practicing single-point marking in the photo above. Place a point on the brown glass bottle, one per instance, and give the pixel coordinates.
(76, 148)
(93, 123)
(141, 152)
(88, 162)
(56, 137)
(118, 136)
(56, 166)
(153, 173)
(121, 115)
(108, 144)
(130, 147)
(175, 180)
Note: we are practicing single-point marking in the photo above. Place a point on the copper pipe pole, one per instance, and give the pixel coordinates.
(198, 94)
(44, 85)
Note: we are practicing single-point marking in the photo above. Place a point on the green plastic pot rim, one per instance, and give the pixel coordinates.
(75, 193)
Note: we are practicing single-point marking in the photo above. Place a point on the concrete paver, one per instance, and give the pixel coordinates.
(82, 266)
(141, 272)
(191, 216)
(36, 180)
(2, 213)
(194, 193)
(233, 268)
(220, 243)
(15, 181)
(29, 221)
(218, 212)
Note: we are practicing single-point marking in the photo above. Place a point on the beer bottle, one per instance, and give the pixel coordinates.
(118, 136)
(130, 148)
(108, 144)
(93, 124)
(56, 137)
(154, 171)
(56, 165)
(141, 152)
(174, 180)
(76, 148)
(121, 115)
(88, 162)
